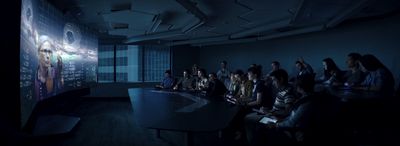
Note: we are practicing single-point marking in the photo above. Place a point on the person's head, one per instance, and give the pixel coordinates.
(232, 76)
(212, 76)
(243, 79)
(305, 84)
(299, 65)
(195, 67)
(275, 65)
(253, 73)
(279, 78)
(238, 74)
(329, 64)
(45, 51)
(167, 73)
(186, 73)
(201, 72)
(223, 64)
(352, 60)
(369, 62)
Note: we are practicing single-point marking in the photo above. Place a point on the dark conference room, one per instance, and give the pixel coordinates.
(200, 72)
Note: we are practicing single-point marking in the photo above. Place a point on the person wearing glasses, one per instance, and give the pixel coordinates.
(44, 78)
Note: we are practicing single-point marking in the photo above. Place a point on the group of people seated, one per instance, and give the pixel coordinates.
(212, 85)
(290, 101)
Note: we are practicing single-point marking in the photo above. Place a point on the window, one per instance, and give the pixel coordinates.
(133, 63)
(106, 63)
(156, 61)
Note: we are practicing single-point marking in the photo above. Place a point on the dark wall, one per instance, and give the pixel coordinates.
(183, 57)
(379, 36)
(9, 105)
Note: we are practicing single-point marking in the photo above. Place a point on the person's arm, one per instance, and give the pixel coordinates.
(296, 117)
(179, 83)
(289, 102)
(308, 68)
(257, 101)
(306, 65)
(161, 85)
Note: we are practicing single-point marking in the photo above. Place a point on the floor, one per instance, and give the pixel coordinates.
(108, 120)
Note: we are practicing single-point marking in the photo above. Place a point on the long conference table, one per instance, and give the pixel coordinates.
(180, 111)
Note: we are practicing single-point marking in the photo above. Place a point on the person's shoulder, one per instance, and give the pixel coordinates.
(260, 82)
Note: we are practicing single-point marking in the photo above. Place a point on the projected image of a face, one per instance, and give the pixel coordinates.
(45, 79)
(55, 55)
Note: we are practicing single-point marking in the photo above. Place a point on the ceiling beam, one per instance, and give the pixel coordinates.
(271, 36)
(156, 22)
(293, 32)
(351, 10)
(266, 27)
(202, 40)
(158, 35)
(243, 40)
(191, 7)
(300, 9)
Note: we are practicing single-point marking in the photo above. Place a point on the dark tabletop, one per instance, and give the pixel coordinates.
(180, 111)
(347, 94)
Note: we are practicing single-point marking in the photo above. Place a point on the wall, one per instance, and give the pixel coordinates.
(183, 57)
(379, 37)
(10, 119)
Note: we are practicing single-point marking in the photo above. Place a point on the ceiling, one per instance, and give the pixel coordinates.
(208, 22)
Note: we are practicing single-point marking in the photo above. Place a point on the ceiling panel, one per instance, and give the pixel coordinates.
(224, 17)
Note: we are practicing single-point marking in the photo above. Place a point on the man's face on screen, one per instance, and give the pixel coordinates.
(45, 53)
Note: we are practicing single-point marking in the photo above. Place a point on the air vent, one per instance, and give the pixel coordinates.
(120, 25)
(121, 7)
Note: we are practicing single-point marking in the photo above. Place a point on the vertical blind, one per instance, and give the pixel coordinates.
(133, 63)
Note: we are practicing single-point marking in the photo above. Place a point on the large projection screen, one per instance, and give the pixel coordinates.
(56, 55)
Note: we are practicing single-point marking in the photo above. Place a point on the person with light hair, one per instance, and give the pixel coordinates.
(45, 73)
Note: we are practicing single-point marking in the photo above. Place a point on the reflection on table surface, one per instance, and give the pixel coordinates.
(180, 111)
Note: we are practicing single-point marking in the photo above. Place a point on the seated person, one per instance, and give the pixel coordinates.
(299, 119)
(354, 76)
(275, 65)
(167, 82)
(258, 95)
(245, 89)
(303, 68)
(284, 100)
(195, 68)
(185, 83)
(202, 80)
(332, 74)
(284, 97)
(233, 86)
(215, 87)
(378, 78)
